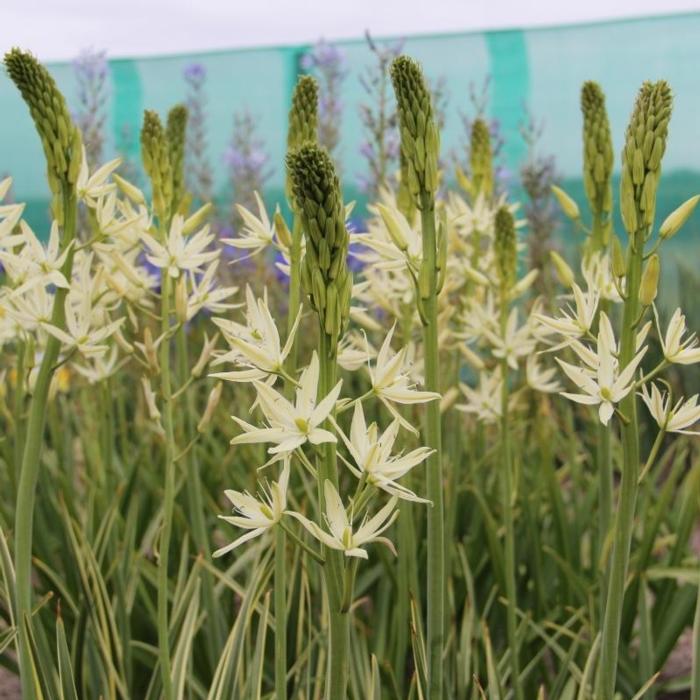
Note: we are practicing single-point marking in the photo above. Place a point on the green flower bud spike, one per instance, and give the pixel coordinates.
(63, 150)
(325, 275)
(420, 139)
(619, 265)
(564, 272)
(303, 115)
(597, 149)
(480, 159)
(645, 144)
(155, 153)
(649, 285)
(505, 246)
(59, 136)
(176, 130)
(420, 145)
(303, 118)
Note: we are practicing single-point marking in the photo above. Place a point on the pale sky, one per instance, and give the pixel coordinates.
(58, 29)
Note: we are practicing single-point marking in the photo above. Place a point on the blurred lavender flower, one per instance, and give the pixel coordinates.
(197, 168)
(128, 143)
(378, 117)
(327, 63)
(537, 176)
(246, 160)
(91, 69)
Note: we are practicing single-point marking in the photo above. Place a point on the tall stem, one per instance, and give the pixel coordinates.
(507, 504)
(22, 350)
(628, 488)
(169, 491)
(29, 472)
(337, 681)
(605, 492)
(433, 439)
(695, 672)
(280, 584)
(195, 504)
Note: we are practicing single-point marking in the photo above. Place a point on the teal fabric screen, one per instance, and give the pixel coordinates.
(540, 68)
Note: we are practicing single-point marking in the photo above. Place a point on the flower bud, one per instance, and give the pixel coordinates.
(212, 403)
(505, 246)
(59, 136)
(284, 235)
(175, 131)
(649, 285)
(181, 300)
(619, 266)
(564, 272)
(303, 120)
(645, 143)
(567, 204)
(122, 342)
(204, 356)
(325, 275)
(393, 227)
(597, 149)
(149, 395)
(129, 190)
(150, 351)
(420, 139)
(480, 159)
(155, 154)
(675, 220)
(472, 358)
(198, 219)
(449, 398)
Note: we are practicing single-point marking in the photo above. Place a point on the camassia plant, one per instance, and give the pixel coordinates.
(415, 480)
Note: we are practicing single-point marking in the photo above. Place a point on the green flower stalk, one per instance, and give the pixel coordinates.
(641, 168)
(155, 153)
(597, 160)
(156, 162)
(62, 148)
(505, 246)
(60, 137)
(480, 159)
(597, 174)
(176, 131)
(325, 276)
(176, 135)
(303, 128)
(303, 118)
(327, 281)
(420, 145)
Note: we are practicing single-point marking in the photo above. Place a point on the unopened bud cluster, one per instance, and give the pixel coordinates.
(176, 130)
(303, 114)
(59, 136)
(480, 158)
(505, 243)
(597, 148)
(155, 153)
(645, 144)
(325, 275)
(420, 139)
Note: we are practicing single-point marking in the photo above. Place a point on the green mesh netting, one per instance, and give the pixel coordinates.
(540, 68)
